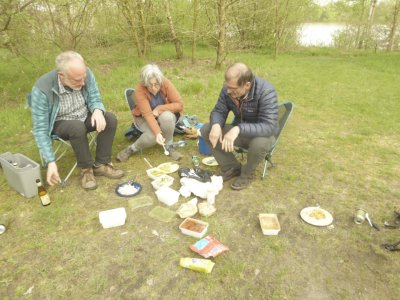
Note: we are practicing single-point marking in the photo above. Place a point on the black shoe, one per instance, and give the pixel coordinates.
(241, 182)
(230, 173)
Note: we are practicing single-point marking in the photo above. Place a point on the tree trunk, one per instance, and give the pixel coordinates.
(281, 16)
(128, 10)
(176, 40)
(393, 27)
(221, 23)
(143, 26)
(194, 29)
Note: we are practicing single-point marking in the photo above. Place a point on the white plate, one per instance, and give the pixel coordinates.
(316, 216)
(168, 167)
(210, 161)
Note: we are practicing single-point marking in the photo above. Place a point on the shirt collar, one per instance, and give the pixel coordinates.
(61, 87)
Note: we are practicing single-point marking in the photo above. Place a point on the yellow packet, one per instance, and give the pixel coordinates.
(197, 264)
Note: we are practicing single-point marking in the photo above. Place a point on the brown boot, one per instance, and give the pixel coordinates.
(88, 181)
(108, 170)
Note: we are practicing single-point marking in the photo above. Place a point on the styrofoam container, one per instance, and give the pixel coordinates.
(167, 195)
(155, 173)
(193, 227)
(269, 224)
(113, 217)
(164, 180)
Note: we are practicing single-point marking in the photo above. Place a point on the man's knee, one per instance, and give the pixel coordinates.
(111, 120)
(205, 130)
(262, 144)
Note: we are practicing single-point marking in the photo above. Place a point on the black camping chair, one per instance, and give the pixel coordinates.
(284, 112)
(133, 132)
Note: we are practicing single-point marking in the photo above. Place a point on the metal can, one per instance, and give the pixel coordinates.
(359, 217)
(196, 160)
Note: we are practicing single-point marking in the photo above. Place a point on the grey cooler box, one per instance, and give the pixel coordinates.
(21, 173)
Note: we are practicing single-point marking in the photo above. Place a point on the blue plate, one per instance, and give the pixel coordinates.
(136, 185)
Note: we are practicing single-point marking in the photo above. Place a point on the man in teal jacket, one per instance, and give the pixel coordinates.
(66, 102)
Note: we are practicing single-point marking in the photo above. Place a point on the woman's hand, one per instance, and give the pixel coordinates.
(160, 139)
(156, 113)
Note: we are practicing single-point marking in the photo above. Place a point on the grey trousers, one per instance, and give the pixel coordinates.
(75, 132)
(257, 149)
(166, 120)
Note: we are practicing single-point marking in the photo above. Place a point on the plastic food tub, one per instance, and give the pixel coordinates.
(113, 217)
(167, 195)
(269, 224)
(164, 180)
(193, 227)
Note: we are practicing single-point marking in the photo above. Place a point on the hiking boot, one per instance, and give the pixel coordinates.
(88, 181)
(108, 170)
(175, 155)
(230, 173)
(241, 182)
(125, 154)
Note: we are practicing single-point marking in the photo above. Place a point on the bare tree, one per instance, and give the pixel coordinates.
(393, 26)
(280, 22)
(8, 10)
(194, 29)
(65, 24)
(221, 39)
(175, 39)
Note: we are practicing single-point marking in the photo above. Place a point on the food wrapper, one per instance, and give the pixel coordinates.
(209, 247)
(188, 209)
(206, 209)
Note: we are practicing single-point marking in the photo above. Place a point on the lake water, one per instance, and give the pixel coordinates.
(318, 34)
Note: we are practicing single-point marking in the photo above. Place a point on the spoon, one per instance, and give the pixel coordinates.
(166, 152)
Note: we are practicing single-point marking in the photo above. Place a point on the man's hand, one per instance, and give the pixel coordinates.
(229, 139)
(160, 139)
(215, 135)
(52, 173)
(98, 120)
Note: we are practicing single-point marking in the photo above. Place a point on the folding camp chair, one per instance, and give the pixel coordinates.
(133, 132)
(61, 147)
(284, 112)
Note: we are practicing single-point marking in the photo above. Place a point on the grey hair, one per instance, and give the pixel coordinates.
(64, 58)
(151, 71)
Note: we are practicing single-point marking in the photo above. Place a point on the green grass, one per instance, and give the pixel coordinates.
(340, 150)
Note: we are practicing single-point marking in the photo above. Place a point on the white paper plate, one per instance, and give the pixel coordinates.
(316, 216)
(168, 167)
(210, 161)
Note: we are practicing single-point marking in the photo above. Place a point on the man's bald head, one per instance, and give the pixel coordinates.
(240, 73)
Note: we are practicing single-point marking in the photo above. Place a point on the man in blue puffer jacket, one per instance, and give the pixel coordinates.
(253, 102)
(66, 102)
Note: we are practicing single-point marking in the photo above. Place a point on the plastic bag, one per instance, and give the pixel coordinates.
(209, 246)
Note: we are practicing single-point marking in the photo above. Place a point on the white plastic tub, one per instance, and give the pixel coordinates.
(167, 195)
(193, 227)
(269, 224)
(113, 217)
(164, 180)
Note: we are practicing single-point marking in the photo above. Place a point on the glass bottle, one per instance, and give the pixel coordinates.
(43, 195)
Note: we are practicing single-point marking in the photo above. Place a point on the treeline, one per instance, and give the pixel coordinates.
(29, 26)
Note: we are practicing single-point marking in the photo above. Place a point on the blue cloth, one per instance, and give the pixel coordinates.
(156, 100)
